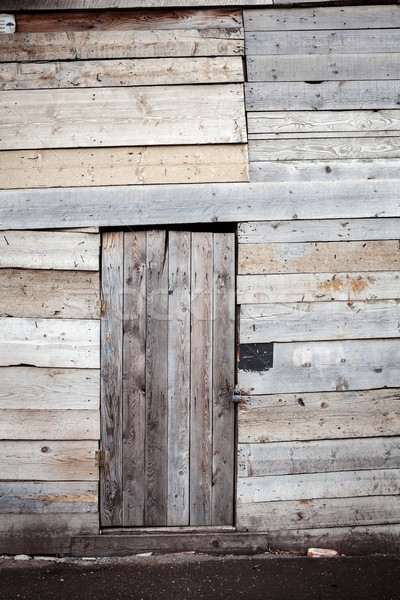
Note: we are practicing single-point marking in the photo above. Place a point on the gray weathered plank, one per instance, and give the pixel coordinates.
(179, 348)
(318, 231)
(291, 458)
(49, 250)
(18, 424)
(117, 73)
(223, 378)
(327, 95)
(144, 205)
(48, 461)
(315, 513)
(321, 287)
(322, 67)
(326, 415)
(289, 322)
(29, 388)
(75, 4)
(48, 294)
(150, 115)
(37, 497)
(156, 440)
(327, 366)
(345, 484)
(134, 378)
(111, 507)
(201, 450)
(50, 342)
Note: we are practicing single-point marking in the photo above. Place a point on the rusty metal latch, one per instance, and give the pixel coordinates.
(237, 394)
(101, 308)
(99, 458)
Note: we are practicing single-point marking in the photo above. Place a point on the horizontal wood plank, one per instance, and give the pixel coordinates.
(326, 415)
(326, 366)
(48, 461)
(293, 458)
(289, 322)
(123, 166)
(151, 115)
(49, 250)
(318, 231)
(40, 5)
(50, 342)
(344, 484)
(120, 73)
(321, 287)
(83, 45)
(315, 513)
(30, 388)
(35, 497)
(48, 294)
(187, 203)
(326, 95)
(17, 424)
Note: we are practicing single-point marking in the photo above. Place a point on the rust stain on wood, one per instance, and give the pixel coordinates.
(335, 284)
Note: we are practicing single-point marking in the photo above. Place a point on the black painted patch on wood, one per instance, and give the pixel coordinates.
(256, 357)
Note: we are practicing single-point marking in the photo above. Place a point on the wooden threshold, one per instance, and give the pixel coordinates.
(210, 529)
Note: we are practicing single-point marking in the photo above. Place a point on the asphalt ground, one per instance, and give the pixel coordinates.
(195, 577)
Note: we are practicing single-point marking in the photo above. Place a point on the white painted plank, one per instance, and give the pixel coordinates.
(314, 231)
(48, 461)
(320, 485)
(314, 513)
(143, 205)
(50, 342)
(17, 424)
(291, 458)
(34, 497)
(327, 366)
(30, 388)
(151, 115)
(321, 287)
(318, 416)
(313, 321)
(120, 73)
(327, 95)
(49, 250)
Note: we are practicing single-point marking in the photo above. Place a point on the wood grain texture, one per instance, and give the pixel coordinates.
(49, 250)
(134, 378)
(48, 294)
(318, 231)
(179, 374)
(66, 167)
(40, 5)
(151, 115)
(201, 450)
(185, 203)
(111, 507)
(17, 424)
(88, 45)
(48, 461)
(121, 73)
(327, 366)
(318, 513)
(320, 287)
(293, 458)
(311, 257)
(35, 497)
(30, 388)
(223, 379)
(260, 323)
(50, 342)
(156, 441)
(324, 415)
(346, 484)
(327, 95)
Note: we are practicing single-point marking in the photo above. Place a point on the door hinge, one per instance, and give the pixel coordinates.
(99, 458)
(101, 308)
(237, 394)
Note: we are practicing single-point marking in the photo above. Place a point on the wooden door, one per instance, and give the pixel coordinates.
(168, 348)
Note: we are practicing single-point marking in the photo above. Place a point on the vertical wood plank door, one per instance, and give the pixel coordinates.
(168, 371)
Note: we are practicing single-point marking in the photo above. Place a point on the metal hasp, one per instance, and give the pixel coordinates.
(237, 395)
